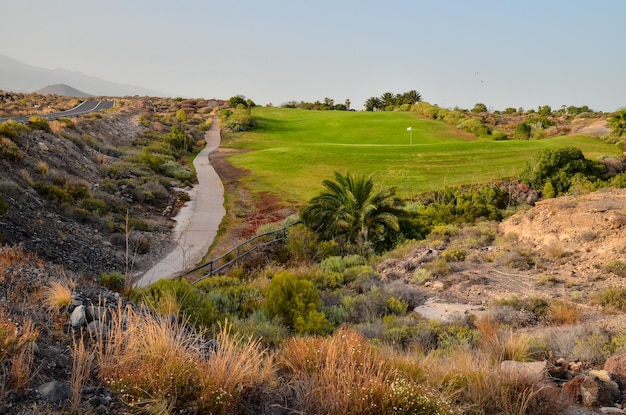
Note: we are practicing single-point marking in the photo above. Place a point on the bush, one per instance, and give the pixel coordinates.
(296, 302)
(11, 129)
(9, 150)
(613, 298)
(474, 126)
(559, 167)
(617, 267)
(39, 123)
(522, 131)
(114, 281)
(52, 192)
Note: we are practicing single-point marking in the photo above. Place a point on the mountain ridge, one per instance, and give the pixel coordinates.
(17, 76)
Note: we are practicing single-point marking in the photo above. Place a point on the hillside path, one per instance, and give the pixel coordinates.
(198, 220)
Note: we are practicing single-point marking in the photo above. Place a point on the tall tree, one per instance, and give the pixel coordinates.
(388, 99)
(373, 104)
(350, 210)
(411, 97)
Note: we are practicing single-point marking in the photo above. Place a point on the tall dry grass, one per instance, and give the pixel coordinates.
(343, 374)
(82, 364)
(16, 348)
(500, 344)
(159, 366)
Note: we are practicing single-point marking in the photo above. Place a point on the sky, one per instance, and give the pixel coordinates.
(503, 53)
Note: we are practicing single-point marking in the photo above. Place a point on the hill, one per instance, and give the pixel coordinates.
(64, 90)
(20, 77)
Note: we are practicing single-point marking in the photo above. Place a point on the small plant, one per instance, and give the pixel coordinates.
(114, 281)
(57, 296)
(562, 312)
(617, 267)
(545, 279)
(438, 267)
(39, 123)
(612, 299)
(421, 276)
(454, 255)
(9, 150)
(42, 168)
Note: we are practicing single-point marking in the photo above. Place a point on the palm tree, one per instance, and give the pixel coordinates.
(373, 104)
(351, 211)
(388, 99)
(411, 97)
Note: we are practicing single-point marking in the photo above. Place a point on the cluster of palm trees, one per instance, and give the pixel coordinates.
(389, 99)
(351, 212)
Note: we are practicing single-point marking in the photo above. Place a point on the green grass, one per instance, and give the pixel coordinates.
(294, 150)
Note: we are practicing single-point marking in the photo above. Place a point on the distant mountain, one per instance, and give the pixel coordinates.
(19, 77)
(64, 90)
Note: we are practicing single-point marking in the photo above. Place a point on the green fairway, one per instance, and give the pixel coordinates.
(293, 150)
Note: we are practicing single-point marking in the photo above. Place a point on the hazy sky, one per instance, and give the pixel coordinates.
(503, 53)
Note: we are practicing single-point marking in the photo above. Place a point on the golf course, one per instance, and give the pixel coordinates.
(291, 151)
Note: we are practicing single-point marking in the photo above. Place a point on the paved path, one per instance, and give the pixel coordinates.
(198, 220)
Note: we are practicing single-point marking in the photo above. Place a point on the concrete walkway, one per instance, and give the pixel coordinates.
(198, 220)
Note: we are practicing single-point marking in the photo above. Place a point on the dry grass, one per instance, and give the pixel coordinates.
(42, 168)
(499, 344)
(562, 312)
(343, 374)
(16, 344)
(57, 296)
(83, 360)
(158, 366)
(480, 387)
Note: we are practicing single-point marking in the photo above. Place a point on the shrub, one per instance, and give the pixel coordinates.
(613, 298)
(9, 150)
(474, 126)
(52, 192)
(562, 312)
(297, 302)
(115, 281)
(522, 131)
(11, 129)
(172, 169)
(617, 267)
(39, 123)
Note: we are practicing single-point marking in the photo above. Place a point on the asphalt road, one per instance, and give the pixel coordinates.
(82, 108)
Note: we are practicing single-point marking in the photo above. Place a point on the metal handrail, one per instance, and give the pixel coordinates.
(238, 256)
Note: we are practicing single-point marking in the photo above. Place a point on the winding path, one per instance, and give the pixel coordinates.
(197, 221)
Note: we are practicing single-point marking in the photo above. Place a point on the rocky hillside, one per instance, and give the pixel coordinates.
(70, 186)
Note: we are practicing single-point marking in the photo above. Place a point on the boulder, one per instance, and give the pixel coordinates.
(527, 371)
(55, 392)
(616, 366)
(77, 319)
(598, 389)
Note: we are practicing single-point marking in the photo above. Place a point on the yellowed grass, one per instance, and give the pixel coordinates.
(499, 344)
(562, 312)
(83, 360)
(16, 343)
(57, 296)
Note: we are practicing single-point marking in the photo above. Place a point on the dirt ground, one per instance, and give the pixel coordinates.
(558, 249)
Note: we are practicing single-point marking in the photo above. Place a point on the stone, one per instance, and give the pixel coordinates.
(611, 410)
(527, 371)
(97, 329)
(598, 389)
(77, 319)
(616, 366)
(55, 392)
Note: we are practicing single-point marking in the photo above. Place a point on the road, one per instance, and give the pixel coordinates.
(82, 108)
(198, 221)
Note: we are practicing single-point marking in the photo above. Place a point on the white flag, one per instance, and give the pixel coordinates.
(409, 129)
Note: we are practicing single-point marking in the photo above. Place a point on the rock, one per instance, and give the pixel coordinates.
(77, 319)
(55, 392)
(97, 329)
(616, 366)
(572, 388)
(598, 389)
(527, 371)
(611, 410)
(95, 313)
